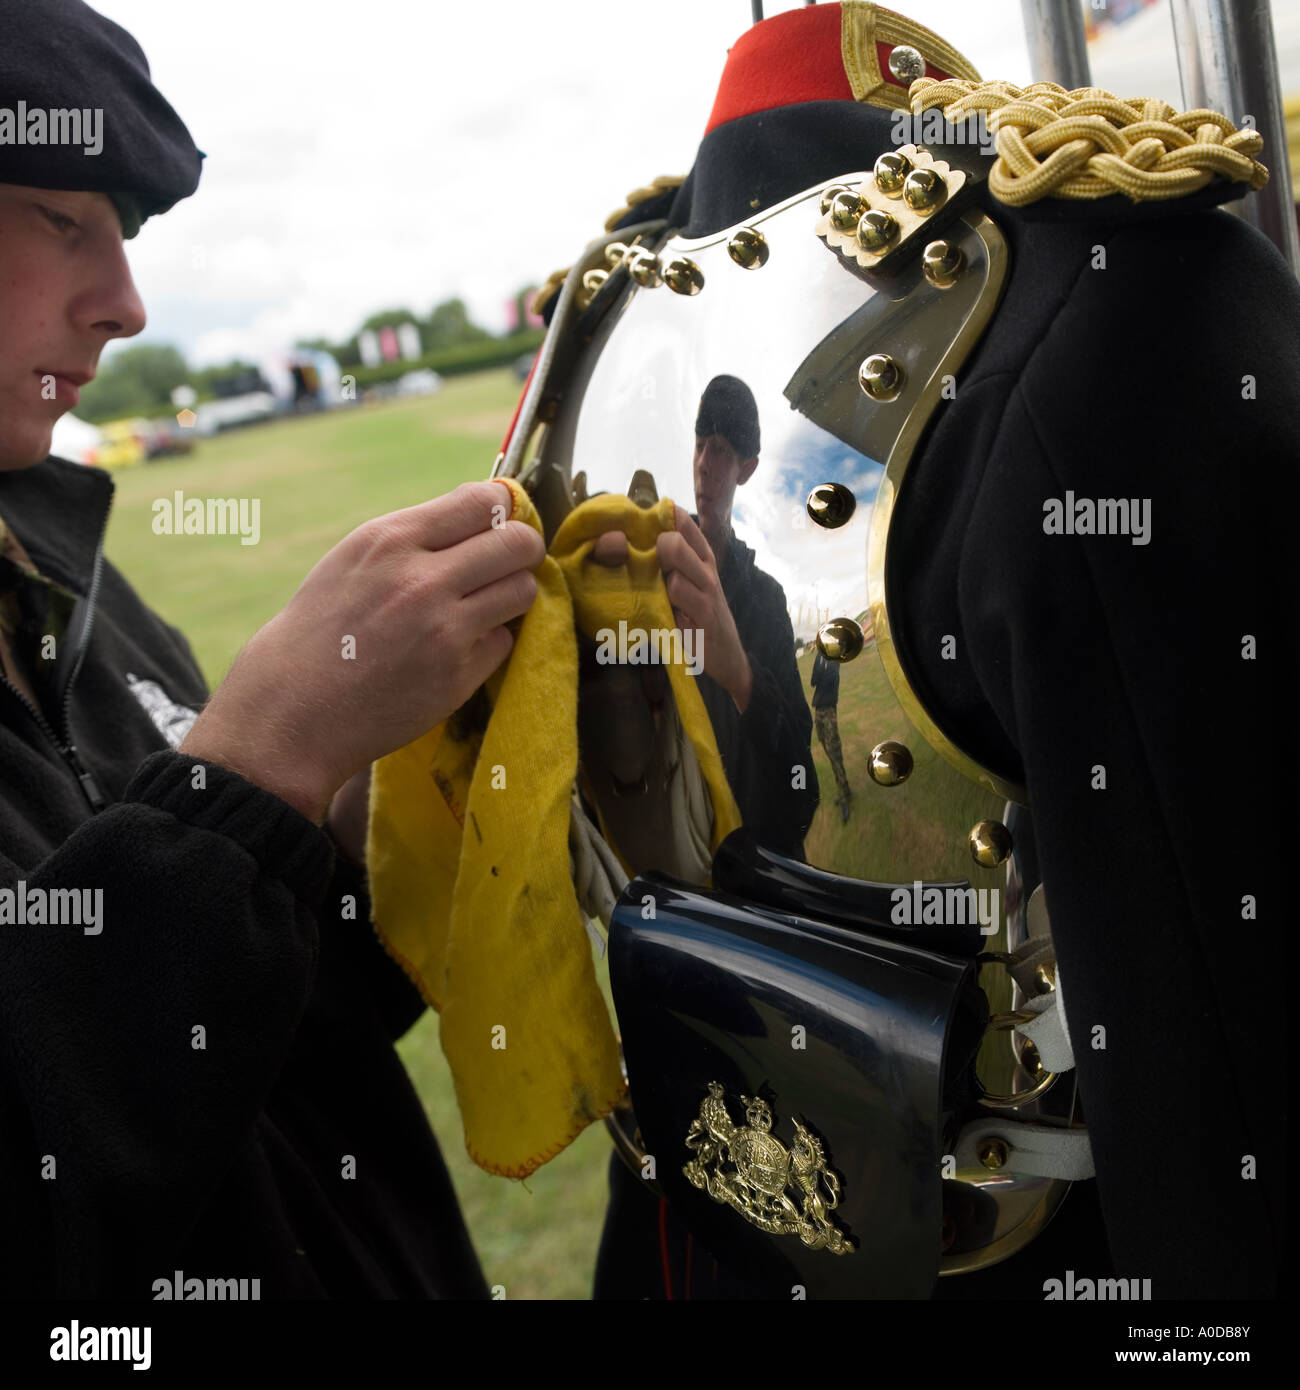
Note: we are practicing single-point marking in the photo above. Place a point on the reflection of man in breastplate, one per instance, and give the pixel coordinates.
(750, 685)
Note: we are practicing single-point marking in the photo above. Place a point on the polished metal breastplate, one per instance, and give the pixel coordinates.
(848, 311)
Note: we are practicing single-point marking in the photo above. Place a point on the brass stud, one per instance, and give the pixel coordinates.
(889, 763)
(876, 230)
(592, 281)
(840, 639)
(831, 505)
(990, 843)
(881, 377)
(846, 208)
(748, 248)
(993, 1152)
(942, 261)
(616, 253)
(829, 195)
(1030, 1060)
(924, 190)
(891, 171)
(645, 268)
(906, 63)
(1045, 977)
(683, 276)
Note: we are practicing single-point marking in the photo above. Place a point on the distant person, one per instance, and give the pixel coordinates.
(197, 1075)
(826, 696)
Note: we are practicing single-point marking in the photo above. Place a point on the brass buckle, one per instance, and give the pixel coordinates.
(1000, 1022)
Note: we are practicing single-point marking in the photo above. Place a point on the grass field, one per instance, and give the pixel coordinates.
(318, 477)
(923, 822)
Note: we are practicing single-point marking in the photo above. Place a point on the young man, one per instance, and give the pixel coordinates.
(751, 685)
(197, 1078)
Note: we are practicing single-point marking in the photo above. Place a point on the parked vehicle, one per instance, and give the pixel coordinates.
(421, 382)
(164, 438)
(120, 446)
(235, 410)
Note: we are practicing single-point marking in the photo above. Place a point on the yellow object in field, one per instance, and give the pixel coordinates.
(120, 446)
(469, 860)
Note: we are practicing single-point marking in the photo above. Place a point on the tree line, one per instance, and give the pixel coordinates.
(140, 380)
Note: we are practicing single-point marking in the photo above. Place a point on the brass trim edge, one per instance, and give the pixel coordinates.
(559, 353)
(1015, 1240)
(900, 457)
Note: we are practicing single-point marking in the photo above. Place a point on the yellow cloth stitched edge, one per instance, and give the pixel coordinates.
(469, 865)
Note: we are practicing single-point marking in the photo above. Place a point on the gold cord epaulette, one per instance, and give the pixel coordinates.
(551, 285)
(1089, 143)
(1052, 143)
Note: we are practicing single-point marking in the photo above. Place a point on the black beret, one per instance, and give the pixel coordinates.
(728, 408)
(60, 57)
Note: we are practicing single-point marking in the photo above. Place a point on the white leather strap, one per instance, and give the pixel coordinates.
(598, 877)
(1044, 1151)
(1048, 1032)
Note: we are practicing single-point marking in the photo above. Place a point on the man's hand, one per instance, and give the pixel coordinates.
(391, 631)
(695, 592)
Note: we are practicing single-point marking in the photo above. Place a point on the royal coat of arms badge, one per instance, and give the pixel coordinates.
(785, 1191)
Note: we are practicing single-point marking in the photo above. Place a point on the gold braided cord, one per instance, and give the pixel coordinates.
(643, 195)
(1089, 143)
(549, 288)
(551, 285)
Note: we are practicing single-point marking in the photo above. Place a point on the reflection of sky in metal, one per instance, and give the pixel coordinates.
(640, 408)
(822, 572)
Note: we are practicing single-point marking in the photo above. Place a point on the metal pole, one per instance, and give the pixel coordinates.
(1227, 62)
(1058, 50)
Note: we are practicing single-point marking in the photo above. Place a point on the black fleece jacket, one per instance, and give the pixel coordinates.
(762, 748)
(207, 1084)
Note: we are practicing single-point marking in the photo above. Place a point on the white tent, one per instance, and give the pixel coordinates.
(74, 439)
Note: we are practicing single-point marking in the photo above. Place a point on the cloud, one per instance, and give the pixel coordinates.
(391, 153)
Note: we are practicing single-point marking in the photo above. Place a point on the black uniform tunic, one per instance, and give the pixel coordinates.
(1119, 681)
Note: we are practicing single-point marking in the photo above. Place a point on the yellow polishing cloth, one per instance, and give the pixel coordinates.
(468, 852)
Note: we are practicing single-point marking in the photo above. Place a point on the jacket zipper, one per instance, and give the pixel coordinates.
(64, 746)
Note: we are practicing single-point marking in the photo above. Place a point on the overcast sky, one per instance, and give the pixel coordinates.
(398, 152)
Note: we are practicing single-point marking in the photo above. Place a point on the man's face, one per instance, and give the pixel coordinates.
(65, 290)
(719, 471)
